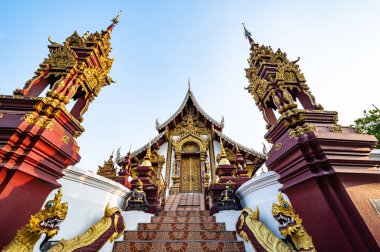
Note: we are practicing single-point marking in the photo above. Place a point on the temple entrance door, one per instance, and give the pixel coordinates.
(191, 174)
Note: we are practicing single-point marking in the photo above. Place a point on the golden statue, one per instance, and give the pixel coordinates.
(291, 225)
(45, 221)
(251, 229)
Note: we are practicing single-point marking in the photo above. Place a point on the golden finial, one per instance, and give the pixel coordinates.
(230, 183)
(148, 151)
(116, 19)
(248, 35)
(223, 160)
(111, 156)
(130, 148)
(246, 32)
(222, 151)
(146, 161)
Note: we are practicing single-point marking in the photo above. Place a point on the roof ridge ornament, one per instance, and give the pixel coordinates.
(157, 124)
(130, 148)
(189, 83)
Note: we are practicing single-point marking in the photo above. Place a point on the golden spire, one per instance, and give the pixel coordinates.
(148, 153)
(146, 161)
(223, 160)
(111, 157)
(114, 21)
(248, 35)
(130, 148)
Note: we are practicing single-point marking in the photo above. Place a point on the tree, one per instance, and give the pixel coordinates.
(370, 123)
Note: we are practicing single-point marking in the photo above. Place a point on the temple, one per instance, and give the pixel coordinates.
(184, 157)
(190, 188)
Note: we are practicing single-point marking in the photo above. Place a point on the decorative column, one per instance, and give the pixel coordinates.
(146, 174)
(325, 168)
(176, 175)
(226, 172)
(168, 163)
(38, 134)
(203, 169)
(242, 171)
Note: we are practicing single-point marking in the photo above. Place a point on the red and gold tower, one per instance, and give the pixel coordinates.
(325, 168)
(38, 133)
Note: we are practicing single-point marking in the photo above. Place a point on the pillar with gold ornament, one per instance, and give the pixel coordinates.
(145, 173)
(325, 168)
(38, 132)
(176, 174)
(226, 173)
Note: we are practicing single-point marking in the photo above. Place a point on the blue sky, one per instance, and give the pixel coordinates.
(158, 45)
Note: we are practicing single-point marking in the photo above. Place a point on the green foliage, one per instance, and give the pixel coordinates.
(370, 124)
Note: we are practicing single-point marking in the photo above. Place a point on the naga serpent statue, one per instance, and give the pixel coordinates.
(108, 228)
(250, 228)
(45, 221)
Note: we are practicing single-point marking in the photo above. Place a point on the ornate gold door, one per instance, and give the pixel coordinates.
(190, 175)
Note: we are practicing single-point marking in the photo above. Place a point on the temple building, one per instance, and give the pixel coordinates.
(186, 151)
(190, 188)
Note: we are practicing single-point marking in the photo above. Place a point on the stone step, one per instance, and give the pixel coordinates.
(187, 219)
(183, 246)
(179, 235)
(184, 213)
(181, 226)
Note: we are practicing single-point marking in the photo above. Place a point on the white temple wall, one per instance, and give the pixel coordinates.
(170, 172)
(216, 149)
(87, 195)
(216, 145)
(163, 150)
(133, 218)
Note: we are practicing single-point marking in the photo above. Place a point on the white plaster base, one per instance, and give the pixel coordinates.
(230, 217)
(87, 195)
(132, 218)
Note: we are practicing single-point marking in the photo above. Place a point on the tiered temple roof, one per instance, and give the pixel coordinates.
(189, 97)
(215, 127)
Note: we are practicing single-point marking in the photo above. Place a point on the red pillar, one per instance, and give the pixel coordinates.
(36, 144)
(325, 170)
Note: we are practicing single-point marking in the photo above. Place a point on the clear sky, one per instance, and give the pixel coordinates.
(158, 45)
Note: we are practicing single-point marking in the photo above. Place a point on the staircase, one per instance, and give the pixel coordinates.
(181, 230)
